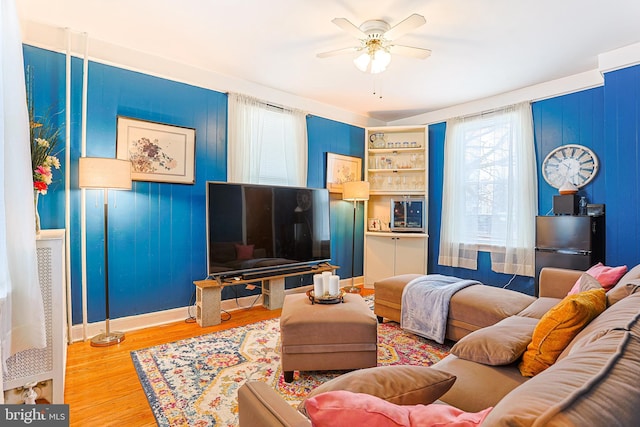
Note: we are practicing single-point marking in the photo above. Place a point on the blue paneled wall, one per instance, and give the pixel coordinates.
(621, 153)
(157, 243)
(157, 230)
(328, 136)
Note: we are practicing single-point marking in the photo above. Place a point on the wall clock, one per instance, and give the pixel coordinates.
(572, 162)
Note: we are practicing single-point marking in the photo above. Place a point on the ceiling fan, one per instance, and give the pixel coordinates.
(376, 37)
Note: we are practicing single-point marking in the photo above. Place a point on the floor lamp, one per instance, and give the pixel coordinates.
(105, 173)
(354, 191)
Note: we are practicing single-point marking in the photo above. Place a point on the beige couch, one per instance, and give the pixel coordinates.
(594, 382)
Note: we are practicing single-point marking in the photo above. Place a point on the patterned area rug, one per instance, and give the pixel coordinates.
(194, 382)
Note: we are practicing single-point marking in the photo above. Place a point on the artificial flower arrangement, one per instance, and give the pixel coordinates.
(42, 161)
(44, 138)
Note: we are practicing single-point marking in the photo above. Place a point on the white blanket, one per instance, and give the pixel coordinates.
(425, 304)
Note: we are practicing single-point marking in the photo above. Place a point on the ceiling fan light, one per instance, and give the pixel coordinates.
(381, 59)
(361, 61)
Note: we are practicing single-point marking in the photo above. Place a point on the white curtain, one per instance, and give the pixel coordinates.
(21, 309)
(490, 191)
(266, 144)
(455, 248)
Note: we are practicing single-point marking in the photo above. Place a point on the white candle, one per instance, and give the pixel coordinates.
(318, 285)
(325, 282)
(334, 285)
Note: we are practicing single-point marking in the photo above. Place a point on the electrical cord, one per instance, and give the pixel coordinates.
(192, 303)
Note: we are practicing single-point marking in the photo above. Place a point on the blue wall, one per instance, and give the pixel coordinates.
(328, 136)
(157, 243)
(622, 157)
(157, 230)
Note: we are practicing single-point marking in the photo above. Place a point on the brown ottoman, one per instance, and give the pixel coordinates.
(325, 337)
(471, 308)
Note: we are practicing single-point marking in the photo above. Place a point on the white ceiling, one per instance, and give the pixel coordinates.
(480, 48)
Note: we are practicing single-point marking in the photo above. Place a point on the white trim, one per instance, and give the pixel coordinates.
(550, 89)
(51, 38)
(619, 58)
(158, 318)
(67, 180)
(83, 192)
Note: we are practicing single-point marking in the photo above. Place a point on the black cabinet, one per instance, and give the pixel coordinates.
(569, 241)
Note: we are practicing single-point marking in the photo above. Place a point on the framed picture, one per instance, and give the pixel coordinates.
(158, 152)
(373, 224)
(342, 169)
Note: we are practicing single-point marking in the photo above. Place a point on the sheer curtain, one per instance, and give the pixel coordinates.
(267, 144)
(21, 309)
(490, 191)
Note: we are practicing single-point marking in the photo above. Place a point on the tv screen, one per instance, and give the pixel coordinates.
(253, 229)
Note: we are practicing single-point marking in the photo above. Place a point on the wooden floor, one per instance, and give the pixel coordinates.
(101, 385)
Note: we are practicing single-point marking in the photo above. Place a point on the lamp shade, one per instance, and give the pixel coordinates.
(101, 172)
(355, 190)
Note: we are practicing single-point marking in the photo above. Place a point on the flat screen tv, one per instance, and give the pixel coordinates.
(254, 230)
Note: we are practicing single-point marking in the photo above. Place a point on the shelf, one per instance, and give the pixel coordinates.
(396, 234)
(396, 150)
(397, 170)
(415, 192)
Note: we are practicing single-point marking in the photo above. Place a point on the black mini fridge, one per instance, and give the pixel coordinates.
(569, 241)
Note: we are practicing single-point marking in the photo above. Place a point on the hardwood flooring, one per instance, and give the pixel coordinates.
(102, 386)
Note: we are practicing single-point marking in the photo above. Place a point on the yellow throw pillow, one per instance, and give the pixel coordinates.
(558, 327)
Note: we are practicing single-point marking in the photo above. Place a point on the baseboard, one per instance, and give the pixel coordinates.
(158, 318)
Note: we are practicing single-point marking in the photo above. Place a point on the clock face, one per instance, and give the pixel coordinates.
(572, 162)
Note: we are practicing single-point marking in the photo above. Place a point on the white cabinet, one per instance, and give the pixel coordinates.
(396, 166)
(390, 254)
(44, 366)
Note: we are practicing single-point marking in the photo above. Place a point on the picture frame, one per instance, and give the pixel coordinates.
(341, 169)
(373, 224)
(158, 152)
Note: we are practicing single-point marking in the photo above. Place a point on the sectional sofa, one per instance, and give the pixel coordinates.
(593, 381)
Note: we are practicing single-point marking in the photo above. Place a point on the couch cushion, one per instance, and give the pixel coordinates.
(632, 274)
(588, 282)
(622, 290)
(558, 327)
(479, 306)
(623, 315)
(343, 408)
(607, 276)
(471, 392)
(539, 307)
(398, 384)
(595, 386)
(499, 344)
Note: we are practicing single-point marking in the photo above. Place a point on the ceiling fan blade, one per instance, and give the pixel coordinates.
(414, 52)
(349, 27)
(400, 29)
(338, 52)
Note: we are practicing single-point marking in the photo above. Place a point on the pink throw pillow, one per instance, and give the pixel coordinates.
(346, 409)
(244, 251)
(607, 276)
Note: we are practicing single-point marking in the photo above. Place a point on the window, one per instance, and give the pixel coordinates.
(490, 191)
(267, 144)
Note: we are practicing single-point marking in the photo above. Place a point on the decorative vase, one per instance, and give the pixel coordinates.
(35, 203)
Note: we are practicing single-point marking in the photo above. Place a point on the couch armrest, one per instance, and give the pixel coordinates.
(557, 282)
(259, 405)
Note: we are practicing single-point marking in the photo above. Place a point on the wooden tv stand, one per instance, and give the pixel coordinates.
(209, 292)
